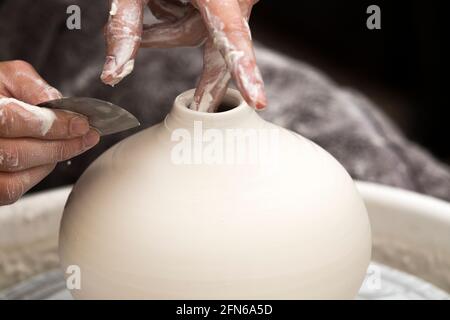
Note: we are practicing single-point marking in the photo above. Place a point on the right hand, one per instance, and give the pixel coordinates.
(220, 24)
(33, 139)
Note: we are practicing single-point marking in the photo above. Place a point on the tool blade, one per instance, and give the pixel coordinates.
(104, 116)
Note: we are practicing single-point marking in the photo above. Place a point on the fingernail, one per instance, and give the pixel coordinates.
(91, 138)
(53, 93)
(108, 70)
(261, 103)
(252, 85)
(110, 64)
(113, 74)
(78, 126)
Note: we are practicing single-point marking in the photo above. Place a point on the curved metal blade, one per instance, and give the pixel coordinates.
(104, 116)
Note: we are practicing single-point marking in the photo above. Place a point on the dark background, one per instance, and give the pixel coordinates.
(403, 67)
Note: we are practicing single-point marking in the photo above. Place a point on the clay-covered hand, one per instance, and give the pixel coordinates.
(33, 139)
(222, 25)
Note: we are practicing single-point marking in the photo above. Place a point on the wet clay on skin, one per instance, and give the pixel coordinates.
(45, 116)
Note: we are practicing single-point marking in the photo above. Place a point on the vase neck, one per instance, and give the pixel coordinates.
(240, 116)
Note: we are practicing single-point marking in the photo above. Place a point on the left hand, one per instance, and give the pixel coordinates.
(221, 24)
(34, 139)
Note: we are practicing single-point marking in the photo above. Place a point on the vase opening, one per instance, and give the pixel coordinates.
(233, 110)
(226, 106)
(231, 100)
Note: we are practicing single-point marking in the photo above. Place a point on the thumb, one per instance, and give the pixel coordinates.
(123, 36)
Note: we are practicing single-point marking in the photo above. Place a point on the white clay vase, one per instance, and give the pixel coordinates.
(215, 206)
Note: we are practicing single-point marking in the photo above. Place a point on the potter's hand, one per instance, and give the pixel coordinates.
(33, 139)
(220, 24)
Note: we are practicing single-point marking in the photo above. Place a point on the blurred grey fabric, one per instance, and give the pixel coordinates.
(301, 98)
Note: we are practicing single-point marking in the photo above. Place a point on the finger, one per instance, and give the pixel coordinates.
(19, 119)
(21, 81)
(123, 34)
(246, 7)
(166, 10)
(215, 76)
(14, 185)
(228, 27)
(22, 153)
(186, 32)
(213, 82)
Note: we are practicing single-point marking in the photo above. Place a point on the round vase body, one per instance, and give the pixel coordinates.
(216, 206)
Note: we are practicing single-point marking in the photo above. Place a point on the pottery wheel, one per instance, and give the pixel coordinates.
(381, 283)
